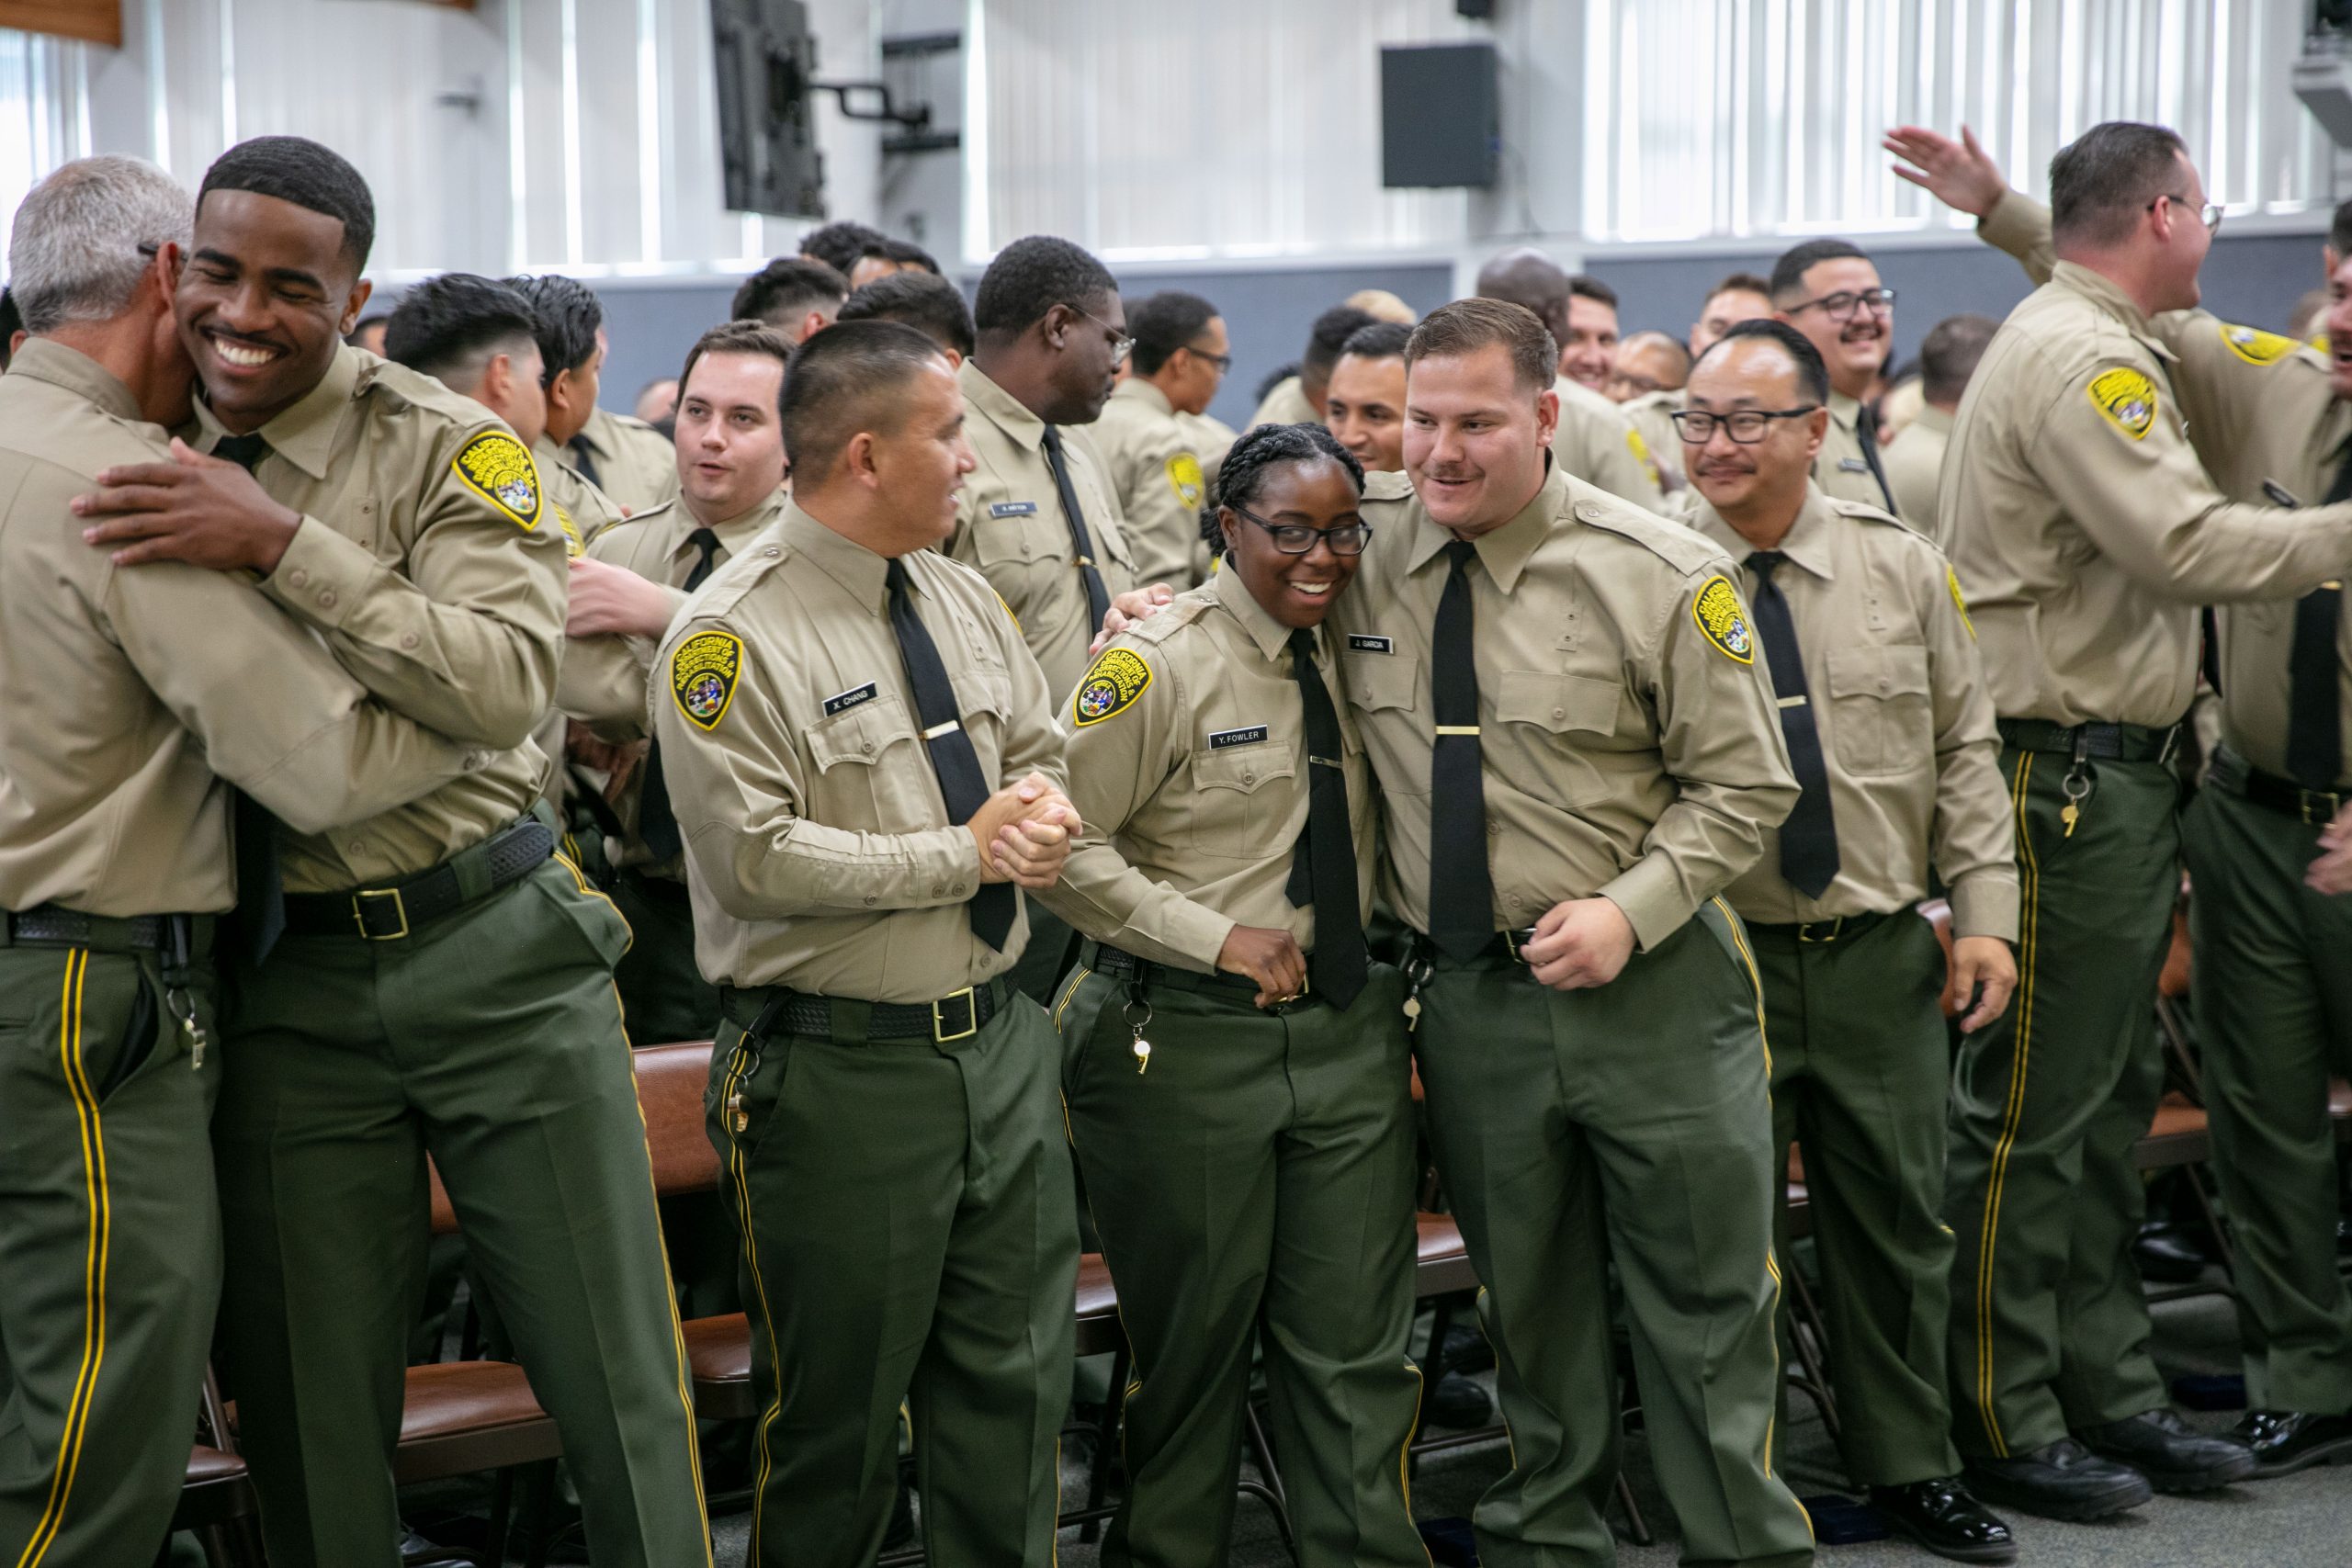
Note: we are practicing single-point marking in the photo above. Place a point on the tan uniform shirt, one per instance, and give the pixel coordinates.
(1285, 403)
(2259, 407)
(1898, 698)
(1155, 466)
(607, 681)
(1194, 789)
(1212, 439)
(131, 700)
(581, 509)
(1915, 460)
(1652, 416)
(1595, 443)
(1632, 749)
(428, 563)
(818, 852)
(2083, 528)
(1010, 523)
(636, 463)
(1840, 469)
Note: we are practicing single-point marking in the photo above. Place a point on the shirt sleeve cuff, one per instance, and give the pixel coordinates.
(1652, 900)
(323, 577)
(1985, 905)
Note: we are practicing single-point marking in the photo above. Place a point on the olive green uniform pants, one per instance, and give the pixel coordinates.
(910, 1236)
(1861, 1074)
(1257, 1175)
(1631, 1123)
(491, 1039)
(2049, 1323)
(663, 994)
(109, 1251)
(2273, 1013)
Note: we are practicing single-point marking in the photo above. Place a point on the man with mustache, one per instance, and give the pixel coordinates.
(1829, 291)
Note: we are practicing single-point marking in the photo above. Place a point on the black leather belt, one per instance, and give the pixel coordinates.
(385, 914)
(1121, 964)
(50, 926)
(766, 1011)
(1505, 945)
(2316, 808)
(1841, 928)
(2101, 742)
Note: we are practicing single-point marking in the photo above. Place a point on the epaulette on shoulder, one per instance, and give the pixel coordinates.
(1686, 551)
(1390, 486)
(1866, 512)
(1157, 629)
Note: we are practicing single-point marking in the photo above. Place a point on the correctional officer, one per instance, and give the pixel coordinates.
(1915, 458)
(864, 763)
(795, 295)
(1829, 291)
(624, 595)
(1589, 352)
(1890, 733)
(2086, 532)
(1365, 406)
(436, 982)
(1740, 297)
(1235, 1066)
(1181, 355)
(2262, 411)
(623, 459)
(134, 707)
(1646, 384)
(1297, 399)
(1594, 441)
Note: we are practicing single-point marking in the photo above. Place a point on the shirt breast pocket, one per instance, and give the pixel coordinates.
(1881, 721)
(871, 750)
(1237, 796)
(1384, 690)
(1562, 719)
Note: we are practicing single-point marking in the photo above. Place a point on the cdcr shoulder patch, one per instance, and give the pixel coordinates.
(1184, 479)
(703, 673)
(500, 467)
(1722, 621)
(1111, 686)
(2255, 346)
(1952, 580)
(2127, 398)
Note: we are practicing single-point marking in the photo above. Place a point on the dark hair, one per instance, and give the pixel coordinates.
(311, 176)
(2103, 181)
(1243, 473)
(1468, 325)
(845, 380)
(1381, 340)
(1165, 323)
(1273, 378)
(902, 252)
(1813, 374)
(1031, 276)
(12, 322)
(2339, 232)
(1947, 356)
(786, 288)
(839, 245)
(1329, 338)
(450, 326)
(569, 313)
(739, 337)
(372, 319)
(923, 300)
(1740, 282)
(1593, 288)
(1788, 273)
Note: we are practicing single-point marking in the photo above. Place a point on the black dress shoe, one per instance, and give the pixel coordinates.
(2169, 1452)
(1941, 1517)
(1461, 1403)
(2165, 1257)
(2060, 1481)
(2284, 1441)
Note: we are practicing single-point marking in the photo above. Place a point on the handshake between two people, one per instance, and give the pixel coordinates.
(1024, 832)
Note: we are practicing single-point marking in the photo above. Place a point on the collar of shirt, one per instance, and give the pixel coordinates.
(1845, 410)
(1136, 390)
(999, 407)
(1233, 596)
(1931, 417)
(733, 534)
(1504, 550)
(1811, 540)
(304, 435)
(860, 572)
(45, 360)
(2108, 296)
(588, 434)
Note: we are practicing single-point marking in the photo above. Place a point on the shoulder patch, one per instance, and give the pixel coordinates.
(2255, 346)
(2127, 398)
(1641, 450)
(1184, 479)
(1959, 603)
(500, 467)
(1720, 620)
(703, 673)
(1110, 687)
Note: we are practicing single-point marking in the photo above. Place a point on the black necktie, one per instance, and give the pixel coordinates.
(1097, 600)
(1327, 849)
(657, 824)
(583, 460)
(1809, 838)
(2314, 674)
(962, 786)
(1462, 887)
(1866, 427)
(261, 881)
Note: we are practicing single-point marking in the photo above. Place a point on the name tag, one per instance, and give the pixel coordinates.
(1359, 643)
(1225, 738)
(1852, 466)
(1013, 508)
(853, 697)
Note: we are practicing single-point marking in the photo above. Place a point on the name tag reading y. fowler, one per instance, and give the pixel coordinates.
(1250, 736)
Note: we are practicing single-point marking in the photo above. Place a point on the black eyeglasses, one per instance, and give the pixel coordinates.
(1300, 538)
(1841, 306)
(1224, 362)
(1747, 426)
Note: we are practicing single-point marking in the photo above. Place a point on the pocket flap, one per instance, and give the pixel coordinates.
(861, 735)
(1558, 703)
(1883, 672)
(1247, 769)
(1382, 680)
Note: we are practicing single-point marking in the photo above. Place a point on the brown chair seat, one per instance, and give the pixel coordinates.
(1098, 1329)
(718, 1357)
(1799, 1211)
(1442, 1262)
(216, 1490)
(461, 1417)
(2180, 1136)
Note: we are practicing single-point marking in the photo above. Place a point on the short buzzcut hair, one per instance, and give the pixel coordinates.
(840, 244)
(1813, 373)
(569, 313)
(788, 288)
(1947, 356)
(1031, 276)
(923, 300)
(1381, 340)
(1593, 288)
(2339, 232)
(11, 324)
(75, 248)
(2103, 181)
(1329, 338)
(903, 252)
(848, 379)
(450, 327)
(1787, 285)
(1737, 282)
(740, 337)
(310, 174)
(1468, 325)
(1164, 322)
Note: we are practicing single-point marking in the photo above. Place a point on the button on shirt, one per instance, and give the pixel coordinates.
(1898, 697)
(819, 853)
(1628, 752)
(1195, 794)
